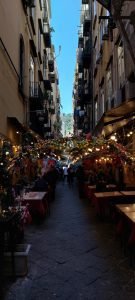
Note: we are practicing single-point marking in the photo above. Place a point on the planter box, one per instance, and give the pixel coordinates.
(20, 261)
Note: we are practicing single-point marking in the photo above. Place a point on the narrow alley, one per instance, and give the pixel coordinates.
(73, 256)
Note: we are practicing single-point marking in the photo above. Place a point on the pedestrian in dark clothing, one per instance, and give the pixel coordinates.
(70, 175)
(41, 185)
(51, 177)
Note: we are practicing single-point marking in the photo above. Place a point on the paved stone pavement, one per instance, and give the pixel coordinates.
(73, 256)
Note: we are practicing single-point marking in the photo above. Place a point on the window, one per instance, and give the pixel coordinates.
(109, 85)
(33, 17)
(39, 40)
(102, 103)
(45, 66)
(21, 63)
(121, 65)
(95, 7)
(104, 26)
(31, 75)
(41, 4)
(96, 110)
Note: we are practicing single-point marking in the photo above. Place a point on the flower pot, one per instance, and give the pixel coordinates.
(20, 261)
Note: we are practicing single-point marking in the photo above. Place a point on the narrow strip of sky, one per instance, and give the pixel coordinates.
(65, 21)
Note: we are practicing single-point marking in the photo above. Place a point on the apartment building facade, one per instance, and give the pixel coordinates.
(27, 62)
(113, 66)
(82, 90)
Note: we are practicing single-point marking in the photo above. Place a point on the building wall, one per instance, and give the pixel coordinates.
(108, 62)
(15, 22)
(12, 24)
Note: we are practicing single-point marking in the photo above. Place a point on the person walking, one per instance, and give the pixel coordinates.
(65, 173)
(70, 175)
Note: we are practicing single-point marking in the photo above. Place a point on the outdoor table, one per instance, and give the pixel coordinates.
(123, 210)
(37, 202)
(126, 207)
(126, 226)
(101, 201)
(128, 193)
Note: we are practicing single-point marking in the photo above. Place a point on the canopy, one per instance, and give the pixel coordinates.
(115, 118)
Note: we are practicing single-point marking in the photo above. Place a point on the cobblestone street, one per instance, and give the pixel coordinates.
(73, 256)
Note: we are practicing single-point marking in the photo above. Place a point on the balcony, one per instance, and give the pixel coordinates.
(80, 42)
(47, 85)
(86, 58)
(35, 124)
(80, 68)
(47, 39)
(35, 90)
(87, 98)
(80, 91)
(51, 65)
(86, 27)
(27, 3)
(80, 123)
(85, 1)
(52, 78)
(35, 96)
(47, 35)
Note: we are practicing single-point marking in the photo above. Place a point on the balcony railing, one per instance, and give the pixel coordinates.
(87, 98)
(47, 85)
(35, 91)
(86, 27)
(52, 78)
(86, 57)
(47, 35)
(85, 1)
(51, 65)
(80, 42)
(80, 68)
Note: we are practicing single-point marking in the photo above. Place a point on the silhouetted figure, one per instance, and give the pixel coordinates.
(41, 185)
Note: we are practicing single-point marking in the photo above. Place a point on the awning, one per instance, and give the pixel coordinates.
(115, 118)
(16, 124)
